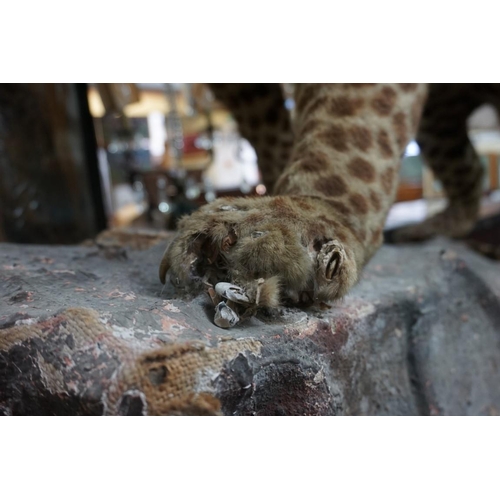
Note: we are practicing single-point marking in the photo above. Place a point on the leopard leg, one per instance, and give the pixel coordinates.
(309, 242)
(263, 120)
(448, 151)
(350, 141)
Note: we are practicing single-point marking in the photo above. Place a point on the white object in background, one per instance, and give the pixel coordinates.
(234, 164)
(407, 212)
(157, 134)
(102, 160)
(412, 212)
(123, 194)
(412, 149)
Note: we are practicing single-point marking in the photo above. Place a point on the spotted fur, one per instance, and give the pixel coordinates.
(333, 174)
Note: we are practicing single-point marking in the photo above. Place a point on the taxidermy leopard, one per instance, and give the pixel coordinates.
(333, 174)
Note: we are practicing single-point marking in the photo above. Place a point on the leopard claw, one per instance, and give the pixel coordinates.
(232, 292)
(225, 317)
(330, 260)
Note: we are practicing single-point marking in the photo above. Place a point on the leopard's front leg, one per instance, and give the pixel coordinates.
(350, 141)
(309, 242)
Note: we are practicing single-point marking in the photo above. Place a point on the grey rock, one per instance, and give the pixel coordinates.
(419, 335)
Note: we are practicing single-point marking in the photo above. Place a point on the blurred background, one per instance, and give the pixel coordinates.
(76, 159)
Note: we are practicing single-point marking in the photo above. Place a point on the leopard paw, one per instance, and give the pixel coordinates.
(260, 252)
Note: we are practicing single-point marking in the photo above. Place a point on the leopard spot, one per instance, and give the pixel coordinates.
(279, 202)
(408, 87)
(284, 210)
(301, 203)
(344, 106)
(319, 103)
(416, 113)
(313, 162)
(340, 235)
(385, 144)
(384, 102)
(316, 228)
(359, 85)
(298, 150)
(361, 137)
(358, 203)
(305, 94)
(293, 190)
(359, 233)
(326, 220)
(333, 185)
(254, 219)
(310, 126)
(375, 200)
(334, 137)
(361, 169)
(387, 179)
(339, 207)
(376, 238)
(282, 185)
(399, 121)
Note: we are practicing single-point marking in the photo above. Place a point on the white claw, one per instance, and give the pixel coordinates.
(225, 317)
(232, 292)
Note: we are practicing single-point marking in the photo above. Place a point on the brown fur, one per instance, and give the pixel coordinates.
(325, 219)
